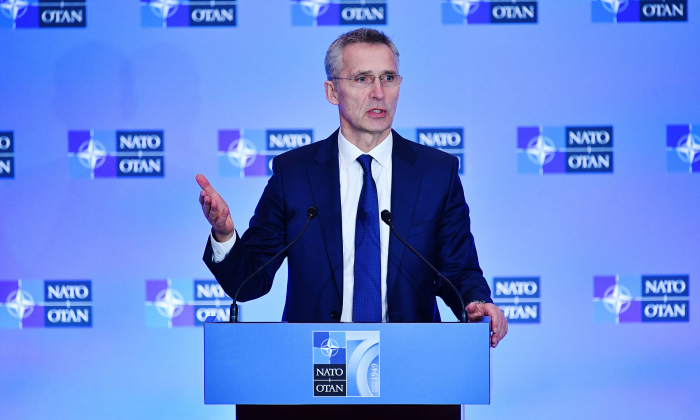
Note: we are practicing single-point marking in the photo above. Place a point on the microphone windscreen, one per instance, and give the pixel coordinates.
(386, 217)
(312, 212)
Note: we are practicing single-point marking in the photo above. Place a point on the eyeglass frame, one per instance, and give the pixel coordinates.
(374, 78)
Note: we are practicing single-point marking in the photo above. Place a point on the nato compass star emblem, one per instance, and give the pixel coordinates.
(164, 8)
(688, 148)
(242, 153)
(20, 304)
(617, 299)
(169, 303)
(92, 154)
(14, 8)
(541, 150)
(465, 7)
(314, 8)
(329, 347)
(615, 6)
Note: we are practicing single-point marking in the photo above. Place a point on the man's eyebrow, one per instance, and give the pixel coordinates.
(368, 72)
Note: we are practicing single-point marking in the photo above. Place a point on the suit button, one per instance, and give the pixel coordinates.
(335, 315)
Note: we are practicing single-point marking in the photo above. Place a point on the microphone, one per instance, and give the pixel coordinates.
(311, 213)
(388, 219)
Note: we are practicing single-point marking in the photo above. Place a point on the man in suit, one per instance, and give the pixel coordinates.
(347, 267)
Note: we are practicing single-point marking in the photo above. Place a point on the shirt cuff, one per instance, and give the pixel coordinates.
(221, 249)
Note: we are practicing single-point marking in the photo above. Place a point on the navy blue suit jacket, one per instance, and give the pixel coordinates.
(429, 211)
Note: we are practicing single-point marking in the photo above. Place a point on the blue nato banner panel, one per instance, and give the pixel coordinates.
(280, 363)
(577, 128)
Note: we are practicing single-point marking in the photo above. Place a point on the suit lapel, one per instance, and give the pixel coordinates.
(325, 187)
(405, 183)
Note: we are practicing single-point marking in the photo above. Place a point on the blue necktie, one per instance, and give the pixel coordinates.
(367, 303)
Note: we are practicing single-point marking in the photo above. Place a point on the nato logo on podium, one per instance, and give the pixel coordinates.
(346, 364)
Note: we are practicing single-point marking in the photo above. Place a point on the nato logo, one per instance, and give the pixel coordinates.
(7, 154)
(682, 148)
(109, 154)
(449, 140)
(338, 12)
(22, 14)
(246, 152)
(182, 13)
(469, 12)
(551, 150)
(346, 363)
(614, 11)
(518, 298)
(625, 299)
(66, 303)
(185, 303)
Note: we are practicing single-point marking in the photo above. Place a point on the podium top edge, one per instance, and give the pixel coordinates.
(484, 320)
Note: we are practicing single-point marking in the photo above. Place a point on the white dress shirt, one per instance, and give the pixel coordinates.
(350, 189)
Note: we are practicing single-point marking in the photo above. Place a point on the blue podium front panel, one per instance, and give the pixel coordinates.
(280, 363)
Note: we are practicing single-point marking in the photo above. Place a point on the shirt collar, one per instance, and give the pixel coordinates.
(349, 153)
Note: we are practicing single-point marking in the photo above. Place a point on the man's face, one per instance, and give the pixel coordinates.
(368, 110)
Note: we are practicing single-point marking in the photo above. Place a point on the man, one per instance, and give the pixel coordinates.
(347, 266)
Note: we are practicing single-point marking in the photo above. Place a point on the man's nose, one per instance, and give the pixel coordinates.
(377, 89)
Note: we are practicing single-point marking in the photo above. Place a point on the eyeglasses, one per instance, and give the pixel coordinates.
(363, 81)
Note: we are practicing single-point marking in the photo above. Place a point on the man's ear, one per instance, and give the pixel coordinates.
(331, 92)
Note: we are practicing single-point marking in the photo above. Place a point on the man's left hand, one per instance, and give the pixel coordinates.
(499, 323)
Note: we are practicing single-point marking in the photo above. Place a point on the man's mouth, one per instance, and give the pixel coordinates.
(377, 112)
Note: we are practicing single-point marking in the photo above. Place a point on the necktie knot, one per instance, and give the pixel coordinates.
(366, 163)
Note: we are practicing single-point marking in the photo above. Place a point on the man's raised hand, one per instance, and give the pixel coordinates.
(499, 323)
(215, 210)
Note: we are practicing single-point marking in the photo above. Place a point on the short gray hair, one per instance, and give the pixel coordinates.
(334, 55)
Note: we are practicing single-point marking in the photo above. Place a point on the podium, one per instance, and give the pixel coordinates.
(383, 364)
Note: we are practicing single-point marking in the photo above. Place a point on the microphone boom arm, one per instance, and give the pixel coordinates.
(387, 218)
(311, 213)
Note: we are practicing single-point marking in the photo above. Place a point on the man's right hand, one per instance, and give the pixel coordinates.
(215, 210)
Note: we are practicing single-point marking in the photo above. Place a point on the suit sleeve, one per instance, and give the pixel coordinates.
(264, 238)
(457, 258)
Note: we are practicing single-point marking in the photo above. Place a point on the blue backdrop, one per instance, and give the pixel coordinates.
(114, 337)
